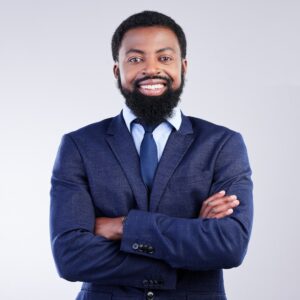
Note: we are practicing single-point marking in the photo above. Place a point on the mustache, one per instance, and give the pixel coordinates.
(168, 80)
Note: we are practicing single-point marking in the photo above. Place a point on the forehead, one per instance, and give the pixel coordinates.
(149, 38)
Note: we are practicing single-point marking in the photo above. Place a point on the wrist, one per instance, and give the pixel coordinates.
(123, 220)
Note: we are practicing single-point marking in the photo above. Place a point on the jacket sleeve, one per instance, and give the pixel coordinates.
(78, 253)
(200, 244)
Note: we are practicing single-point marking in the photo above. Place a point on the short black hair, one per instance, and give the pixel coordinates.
(146, 18)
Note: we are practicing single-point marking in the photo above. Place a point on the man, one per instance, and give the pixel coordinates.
(150, 204)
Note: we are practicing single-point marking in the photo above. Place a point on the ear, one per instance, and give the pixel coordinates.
(116, 70)
(184, 65)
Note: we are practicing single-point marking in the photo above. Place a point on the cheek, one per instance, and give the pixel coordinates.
(177, 81)
(175, 73)
(127, 76)
(123, 79)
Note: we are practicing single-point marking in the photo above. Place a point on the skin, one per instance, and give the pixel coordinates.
(218, 206)
(150, 51)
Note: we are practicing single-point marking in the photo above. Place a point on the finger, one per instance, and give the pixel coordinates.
(223, 214)
(224, 207)
(220, 201)
(211, 198)
(220, 205)
(215, 197)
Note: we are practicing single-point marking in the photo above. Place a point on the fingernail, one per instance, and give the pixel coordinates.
(229, 211)
(222, 192)
(233, 197)
(236, 202)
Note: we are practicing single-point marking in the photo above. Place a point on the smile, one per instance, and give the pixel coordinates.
(152, 88)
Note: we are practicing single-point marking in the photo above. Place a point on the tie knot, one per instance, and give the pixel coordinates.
(149, 128)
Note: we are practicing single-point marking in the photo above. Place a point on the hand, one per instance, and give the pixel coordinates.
(218, 206)
(110, 228)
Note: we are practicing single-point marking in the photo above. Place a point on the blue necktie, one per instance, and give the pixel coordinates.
(148, 155)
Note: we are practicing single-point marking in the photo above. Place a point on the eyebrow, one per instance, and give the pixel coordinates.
(165, 49)
(134, 50)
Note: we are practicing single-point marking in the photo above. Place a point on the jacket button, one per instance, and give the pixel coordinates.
(150, 295)
(150, 249)
(135, 246)
(145, 282)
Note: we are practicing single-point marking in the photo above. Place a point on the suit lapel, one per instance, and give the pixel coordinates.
(122, 145)
(176, 147)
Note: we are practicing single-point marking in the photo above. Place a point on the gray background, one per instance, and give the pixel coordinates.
(56, 76)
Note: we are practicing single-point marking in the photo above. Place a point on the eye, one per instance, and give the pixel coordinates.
(135, 60)
(165, 59)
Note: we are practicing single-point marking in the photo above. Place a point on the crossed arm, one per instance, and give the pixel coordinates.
(217, 206)
(217, 239)
(99, 250)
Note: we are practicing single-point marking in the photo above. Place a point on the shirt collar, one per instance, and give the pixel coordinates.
(174, 120)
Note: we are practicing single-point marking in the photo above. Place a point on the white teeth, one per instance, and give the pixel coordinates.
(152, 86)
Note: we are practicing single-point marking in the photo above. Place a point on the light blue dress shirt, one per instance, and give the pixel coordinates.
(160, 134)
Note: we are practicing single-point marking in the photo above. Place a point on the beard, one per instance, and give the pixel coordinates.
(152, 110)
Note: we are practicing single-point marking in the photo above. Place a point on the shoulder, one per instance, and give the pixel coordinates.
(96, 129)
(214, 135)
(218, 137)
(201, 126)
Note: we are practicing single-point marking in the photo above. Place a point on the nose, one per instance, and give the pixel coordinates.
(151, 68)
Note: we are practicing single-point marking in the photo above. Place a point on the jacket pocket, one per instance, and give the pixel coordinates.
(186, 182)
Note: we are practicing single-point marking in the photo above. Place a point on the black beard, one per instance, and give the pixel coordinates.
(152, 109)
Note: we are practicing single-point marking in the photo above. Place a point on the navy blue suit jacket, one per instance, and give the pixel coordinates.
(166, 248)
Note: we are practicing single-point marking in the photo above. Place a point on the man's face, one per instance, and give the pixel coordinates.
(150, 51)
(150, 72)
